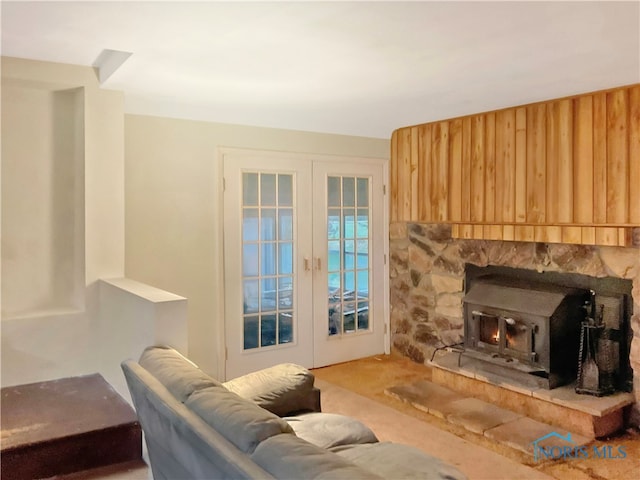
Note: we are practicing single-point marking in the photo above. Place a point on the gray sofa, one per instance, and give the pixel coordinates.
(266, 424)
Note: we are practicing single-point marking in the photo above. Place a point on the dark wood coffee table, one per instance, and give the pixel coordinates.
(64, 426)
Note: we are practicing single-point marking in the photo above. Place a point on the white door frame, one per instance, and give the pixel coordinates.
(219, 221)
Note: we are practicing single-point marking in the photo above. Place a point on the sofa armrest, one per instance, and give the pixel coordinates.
(282, 389)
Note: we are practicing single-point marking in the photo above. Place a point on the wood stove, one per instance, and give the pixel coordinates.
(528, 332)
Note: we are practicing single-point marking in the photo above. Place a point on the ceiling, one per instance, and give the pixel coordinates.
(354, 68)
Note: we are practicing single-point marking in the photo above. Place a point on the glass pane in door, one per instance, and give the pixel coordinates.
(348, 239)
(267, 259)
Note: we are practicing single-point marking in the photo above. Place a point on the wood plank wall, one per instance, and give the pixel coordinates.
(566, 170)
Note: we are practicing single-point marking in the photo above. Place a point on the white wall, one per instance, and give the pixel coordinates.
(62, 222)
(173, 208)
(169, 181)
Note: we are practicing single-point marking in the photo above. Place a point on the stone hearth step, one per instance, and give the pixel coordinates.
(66, 425)
(498, 424)
(561, 407)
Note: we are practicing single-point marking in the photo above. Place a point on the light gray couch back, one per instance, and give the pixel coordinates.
(180, 444)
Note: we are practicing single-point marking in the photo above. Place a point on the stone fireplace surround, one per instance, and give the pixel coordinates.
(427, 276)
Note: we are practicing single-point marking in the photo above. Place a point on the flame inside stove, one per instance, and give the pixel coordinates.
(496, 336)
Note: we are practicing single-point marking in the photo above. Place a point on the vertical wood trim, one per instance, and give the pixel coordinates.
(477, 169)
(617, 156)
(606, 236)
(440, 170)
(505, 166)
(554, 234)
(571, 234)
(454, 191)
(466, 169)
(588, 235)
(559, 163)
(521, 166)
(404, 174)
(414, 160)
(524, 233)
(564, 166)
(634, 155)
(599, 158)
(493, 232)
(455, 231)
(424, 176)
(490, 168)
(623, 237)
(508, 232)
(552, 160)
(393, 176)
(466, 231)
(583, 160)
(536, 163)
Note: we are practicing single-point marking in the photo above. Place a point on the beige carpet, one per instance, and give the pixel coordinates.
(391, 425)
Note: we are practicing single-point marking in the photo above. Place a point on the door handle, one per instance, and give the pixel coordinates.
(307, 264)
(318, 263)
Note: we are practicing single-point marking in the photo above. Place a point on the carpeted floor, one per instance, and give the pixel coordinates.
(475, 455)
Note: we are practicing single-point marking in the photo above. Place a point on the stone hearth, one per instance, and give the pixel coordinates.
(427, 276)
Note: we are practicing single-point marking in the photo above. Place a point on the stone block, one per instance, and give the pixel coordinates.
(446, 284)
(478, 416)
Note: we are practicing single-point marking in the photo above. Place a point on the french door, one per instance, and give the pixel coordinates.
(304, 260)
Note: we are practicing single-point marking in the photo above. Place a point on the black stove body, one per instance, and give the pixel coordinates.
(526, 332)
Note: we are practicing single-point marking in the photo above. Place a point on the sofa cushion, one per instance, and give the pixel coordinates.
(291, 457)
(281, 389)
(178, 374)
(240, 421)
(400, 462)
(328, 430)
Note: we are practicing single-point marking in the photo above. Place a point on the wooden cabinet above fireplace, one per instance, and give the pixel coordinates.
(566, 170)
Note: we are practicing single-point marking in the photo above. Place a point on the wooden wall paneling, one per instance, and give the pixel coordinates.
(466, 169)
(559, 162)
(554, 233)
(624, 237)
(540, 233)
(565, 161)
(524, 233)
(466, 230)
(634, 155)
(440, 171)
(477, 168)
(490, 167)
(583, 160)
(508, 232)
(521, 166)
(404, 174)
(607, 236)
(424, 172)
(393, 178)
(599, 158)
(414, 175)
(454, 190)
(478, 231)
(505, 185)
(536, 163)
(588, 235)
(552, 184)
(617, 156)
(548, 233)
(455, 231)
(492, 232)
(571, 234)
